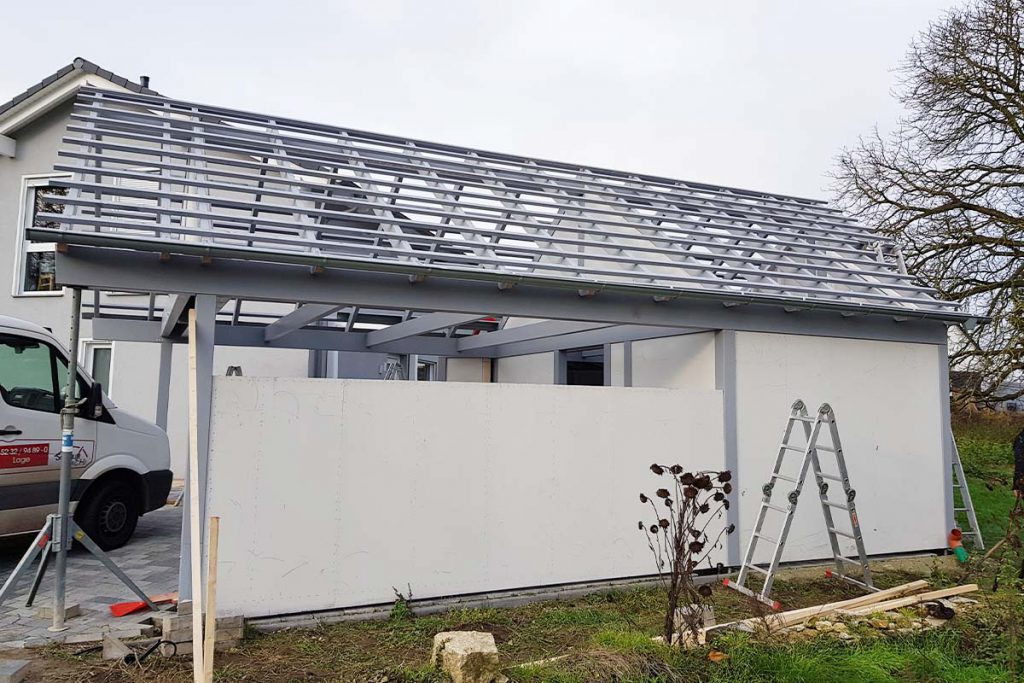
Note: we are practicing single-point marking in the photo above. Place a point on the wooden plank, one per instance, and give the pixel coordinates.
(195, 524)
(912, 600)
(784, 619)
(211, 599)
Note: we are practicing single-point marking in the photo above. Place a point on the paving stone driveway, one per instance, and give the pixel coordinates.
(150, 559)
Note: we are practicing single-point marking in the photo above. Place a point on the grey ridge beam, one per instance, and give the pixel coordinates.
(509, 335)
(171, 318)
(602, 336)
(430, 322)
(136, 271)
(297, 319)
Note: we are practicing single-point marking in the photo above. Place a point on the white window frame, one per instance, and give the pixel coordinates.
(22, 246)
(87, 350)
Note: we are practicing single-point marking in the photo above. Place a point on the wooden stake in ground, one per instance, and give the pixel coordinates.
(211, 598)
(195, 523)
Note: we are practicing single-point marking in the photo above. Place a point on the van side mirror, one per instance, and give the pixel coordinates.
(93, 408)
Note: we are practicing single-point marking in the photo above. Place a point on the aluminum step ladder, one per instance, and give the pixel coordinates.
(812, 427)
(966, 507)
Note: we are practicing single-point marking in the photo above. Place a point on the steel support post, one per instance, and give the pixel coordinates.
(163, 383)
(946, 436)
(206, 314)
(725, 381)
(62, 526)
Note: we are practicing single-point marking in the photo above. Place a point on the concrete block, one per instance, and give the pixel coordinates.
(466, 656)
(46, 611)
(114, 648)
(13, 670)
(230, 622)
(185, 607)
(228, 634)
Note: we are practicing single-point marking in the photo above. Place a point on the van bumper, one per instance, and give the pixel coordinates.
(158, 485)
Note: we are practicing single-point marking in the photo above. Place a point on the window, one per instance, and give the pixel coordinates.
(98, 358)
(32, 375)
(426, 371)
(584, 367)
(35, 272)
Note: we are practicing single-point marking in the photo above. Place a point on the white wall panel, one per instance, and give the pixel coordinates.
(683, 362)
(886, 397)
(535, 368)
(333, 491)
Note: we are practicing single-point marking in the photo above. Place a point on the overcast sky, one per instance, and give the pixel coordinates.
(748, 93)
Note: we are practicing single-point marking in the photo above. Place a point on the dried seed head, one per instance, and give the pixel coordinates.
(661, 493)
(687, 479)
(696, 546)
(663, 523)
(668, 502)
(654, 528)
(725, 503)
(704, 508)
(640, 525)
(703, 482)
(718, 496)
(724, 476)
(690, 492)
(675, 469)
(643, 498)
(705, 591)
(731, 528)
(657, 469)
(727, 488)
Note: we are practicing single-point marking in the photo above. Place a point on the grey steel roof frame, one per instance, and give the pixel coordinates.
(150, 174)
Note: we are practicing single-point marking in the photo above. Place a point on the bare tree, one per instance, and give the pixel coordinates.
(680, 542)
(948, 183)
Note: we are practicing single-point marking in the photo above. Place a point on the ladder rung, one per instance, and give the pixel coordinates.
(959, 509)
(835, 505)
(766, 538)
(783, 477)
(830, 476)
(776, 508)
(847, 560)
(833, 530)
(798, 449)
(804, 418)
(756, 569)
(827, 449)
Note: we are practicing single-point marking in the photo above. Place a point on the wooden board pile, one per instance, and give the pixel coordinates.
(858, 610)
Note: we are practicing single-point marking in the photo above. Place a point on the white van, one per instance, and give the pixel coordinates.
(121, 466)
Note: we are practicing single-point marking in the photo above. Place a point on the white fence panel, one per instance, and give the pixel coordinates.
(331, 492)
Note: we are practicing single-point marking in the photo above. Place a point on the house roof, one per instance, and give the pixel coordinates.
(78, 65)
(288, 191)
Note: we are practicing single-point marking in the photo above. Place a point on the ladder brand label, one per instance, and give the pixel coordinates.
(24, 455)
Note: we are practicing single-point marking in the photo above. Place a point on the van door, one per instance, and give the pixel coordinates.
(33, 375)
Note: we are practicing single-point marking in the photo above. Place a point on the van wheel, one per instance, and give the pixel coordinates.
(109, 513)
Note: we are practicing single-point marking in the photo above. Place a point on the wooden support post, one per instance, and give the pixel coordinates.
(195, 516)
(211, 598)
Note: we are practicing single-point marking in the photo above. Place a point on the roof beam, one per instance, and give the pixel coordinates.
(173, 312)
(421, 325)
(127, 271)
(297, 319)
(509, 335)
(599, 336)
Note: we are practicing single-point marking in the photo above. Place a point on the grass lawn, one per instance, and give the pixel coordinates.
(607, 637)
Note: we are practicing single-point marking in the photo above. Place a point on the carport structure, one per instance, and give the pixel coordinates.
(287, 234)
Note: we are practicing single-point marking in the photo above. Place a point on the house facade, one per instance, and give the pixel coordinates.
(32, 125)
